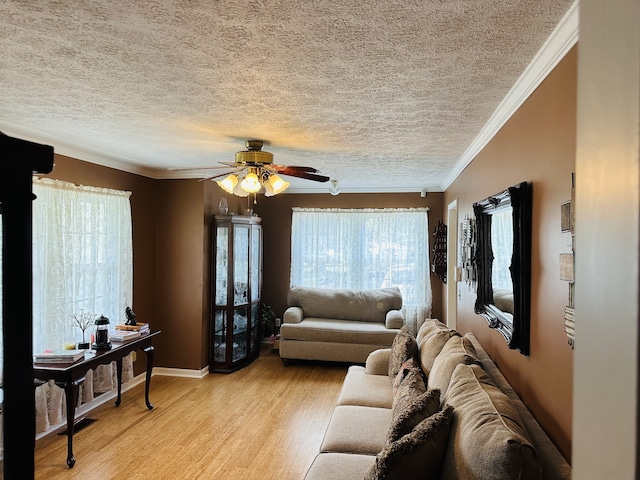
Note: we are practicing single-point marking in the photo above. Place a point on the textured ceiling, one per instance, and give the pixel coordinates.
(381, 94)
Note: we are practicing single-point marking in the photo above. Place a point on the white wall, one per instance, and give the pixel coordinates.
(605, 422)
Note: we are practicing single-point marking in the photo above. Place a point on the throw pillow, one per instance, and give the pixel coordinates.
(403, 348)
(418, 454)
(404, 369)
(488, 439)
(457, 350)
(411, 387)
(404, 420)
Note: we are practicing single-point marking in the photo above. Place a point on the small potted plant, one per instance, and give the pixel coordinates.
(268, 321)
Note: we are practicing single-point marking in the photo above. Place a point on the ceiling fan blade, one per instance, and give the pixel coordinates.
(284, 168)
(305, 175)
(219, 175)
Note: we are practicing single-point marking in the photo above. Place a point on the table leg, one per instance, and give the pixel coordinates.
(149, 351)
(71, 394)
(119, 377)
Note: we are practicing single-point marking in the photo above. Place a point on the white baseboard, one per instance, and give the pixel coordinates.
(181, 372)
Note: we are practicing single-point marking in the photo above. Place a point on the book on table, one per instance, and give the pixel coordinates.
(138, 327)
(59, 356)
(123, 335)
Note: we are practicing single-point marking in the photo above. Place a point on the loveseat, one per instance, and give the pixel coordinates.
(433, 406)
(339, 325)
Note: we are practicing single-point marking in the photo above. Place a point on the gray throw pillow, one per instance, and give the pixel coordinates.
(403, 348)
(405, 419)
(418, 454)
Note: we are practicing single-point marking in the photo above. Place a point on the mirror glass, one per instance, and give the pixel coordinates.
(503, 263)
(502, 250)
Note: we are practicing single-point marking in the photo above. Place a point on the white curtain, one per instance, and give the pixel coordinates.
(82, 258)
(362, 249)
(82, 263)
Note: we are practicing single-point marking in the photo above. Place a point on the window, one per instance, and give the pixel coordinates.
(362, 249)
(82, 258)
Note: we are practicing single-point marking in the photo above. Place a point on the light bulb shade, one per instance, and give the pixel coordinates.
(334, 189)
(239, 192)
(250, 183)
(278, 184)
(229, 183)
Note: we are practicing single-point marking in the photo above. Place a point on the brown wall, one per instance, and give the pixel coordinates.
(536, 145)
(276, 223)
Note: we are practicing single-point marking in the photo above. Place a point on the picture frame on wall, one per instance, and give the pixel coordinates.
(565, 216)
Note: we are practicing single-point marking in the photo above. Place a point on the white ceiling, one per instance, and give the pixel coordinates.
(383, 95)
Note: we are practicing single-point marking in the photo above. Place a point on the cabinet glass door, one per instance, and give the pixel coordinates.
(256, 241)
(241, 265)
(222, 257)
(239, 334)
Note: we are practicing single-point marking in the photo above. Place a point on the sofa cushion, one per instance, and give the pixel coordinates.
(355, 429)
(403, 348)
(404, 420)
(432, 336)
(418, 454)
(457, 350)
(488, 439)
(339, 466)
(429, 326)
(325, 330)
(365, 305)
(359, 388)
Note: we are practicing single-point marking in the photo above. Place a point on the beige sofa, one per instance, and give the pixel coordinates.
(339, 325)
(464, 422)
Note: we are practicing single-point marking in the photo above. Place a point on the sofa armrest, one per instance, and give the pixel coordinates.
(293, 315)
(377, 362)
(394, 319)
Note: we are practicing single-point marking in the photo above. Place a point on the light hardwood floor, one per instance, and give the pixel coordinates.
(265, 421)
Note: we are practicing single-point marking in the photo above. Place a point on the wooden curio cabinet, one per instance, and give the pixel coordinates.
(236, 289)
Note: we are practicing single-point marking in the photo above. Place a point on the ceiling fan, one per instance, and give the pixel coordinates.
(254, 169)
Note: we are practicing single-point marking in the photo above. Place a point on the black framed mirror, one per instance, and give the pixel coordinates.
(503, 263)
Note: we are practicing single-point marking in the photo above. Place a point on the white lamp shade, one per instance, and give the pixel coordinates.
(229, 183)
(250, 183)
(239, 192)
(278, 184)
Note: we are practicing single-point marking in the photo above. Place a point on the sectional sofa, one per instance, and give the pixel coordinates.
(435, 406)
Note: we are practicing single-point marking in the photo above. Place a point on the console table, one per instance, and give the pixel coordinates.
(69, 376)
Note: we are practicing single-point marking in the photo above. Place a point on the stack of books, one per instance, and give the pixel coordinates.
(140, 327)
(123, 335)
(59, 356)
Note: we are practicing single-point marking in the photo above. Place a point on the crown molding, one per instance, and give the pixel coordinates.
(554, 49)
(78, 150)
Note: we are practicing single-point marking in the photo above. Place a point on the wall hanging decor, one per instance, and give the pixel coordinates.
(439, 264)
(467, 250)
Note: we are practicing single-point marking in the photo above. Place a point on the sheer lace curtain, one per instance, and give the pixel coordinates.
(365, 248)
(82, 262)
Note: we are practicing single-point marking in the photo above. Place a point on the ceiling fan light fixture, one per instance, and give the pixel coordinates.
(250, 183)
(229, 183)
(278, 184)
